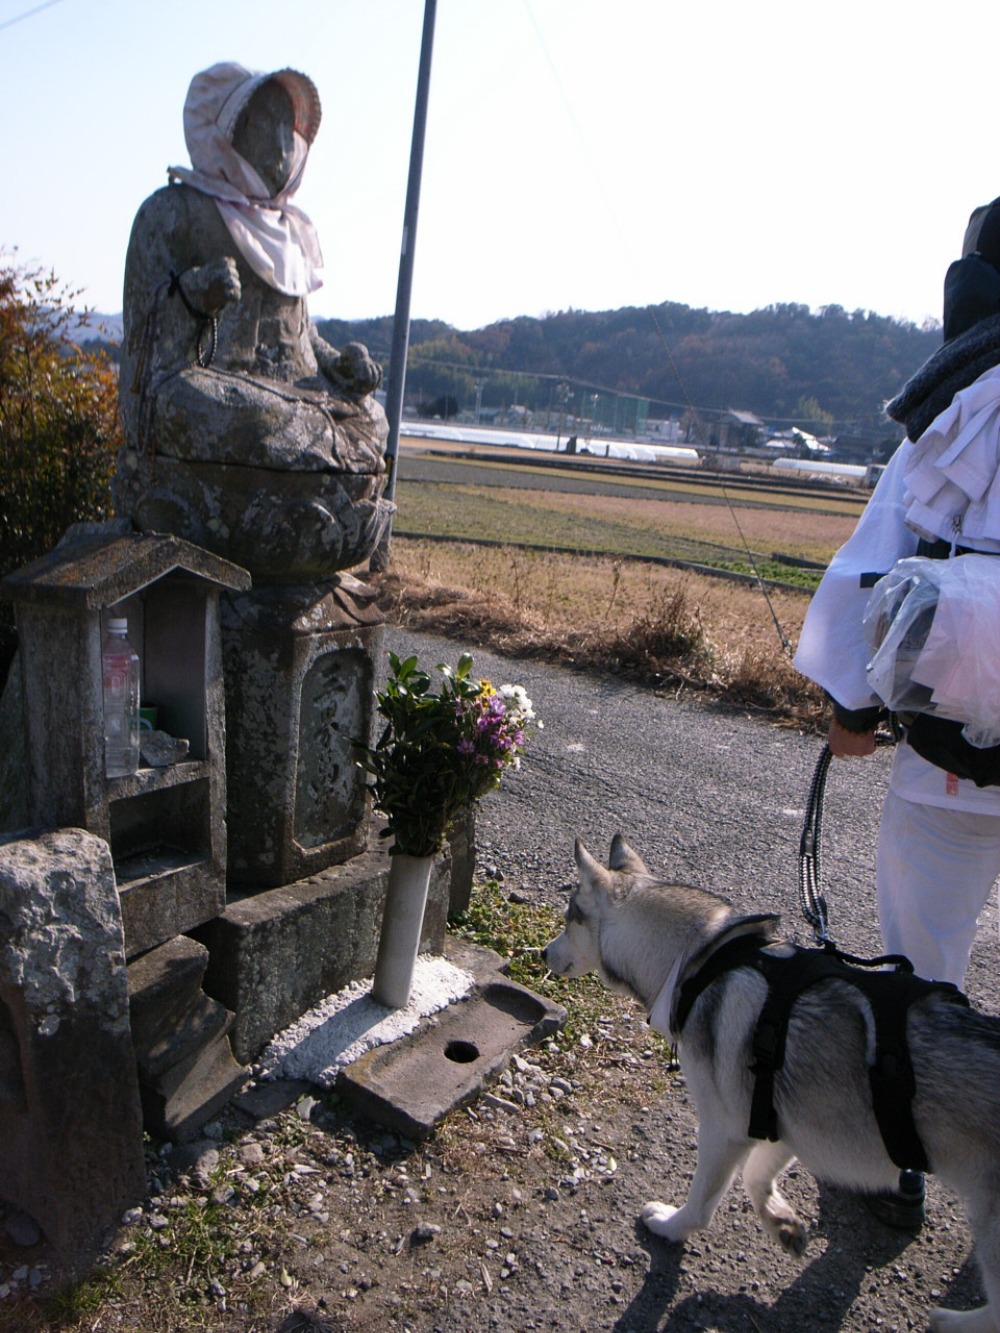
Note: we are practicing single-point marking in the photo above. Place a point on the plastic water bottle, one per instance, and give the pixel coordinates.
(120, 677)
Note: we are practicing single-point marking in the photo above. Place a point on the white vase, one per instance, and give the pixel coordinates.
(399, 942)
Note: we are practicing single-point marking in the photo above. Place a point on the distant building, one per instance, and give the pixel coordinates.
(663, 431)
(737, 431)
(867, 446)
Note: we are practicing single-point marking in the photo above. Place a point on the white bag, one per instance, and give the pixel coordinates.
(933, 629)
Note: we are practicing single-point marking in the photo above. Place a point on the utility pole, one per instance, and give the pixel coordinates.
(401, 321)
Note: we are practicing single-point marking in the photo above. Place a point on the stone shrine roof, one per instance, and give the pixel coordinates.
(97, 564)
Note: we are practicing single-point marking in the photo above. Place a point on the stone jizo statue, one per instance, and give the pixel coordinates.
(246, 432)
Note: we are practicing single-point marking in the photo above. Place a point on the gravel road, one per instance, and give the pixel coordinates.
(712, 798)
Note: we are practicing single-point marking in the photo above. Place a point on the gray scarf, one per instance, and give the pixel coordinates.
(955, 366)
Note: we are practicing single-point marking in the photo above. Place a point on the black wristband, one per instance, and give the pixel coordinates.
(858, 720)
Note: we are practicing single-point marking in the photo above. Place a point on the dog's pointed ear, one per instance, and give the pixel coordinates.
(592, 873)
(624, 858)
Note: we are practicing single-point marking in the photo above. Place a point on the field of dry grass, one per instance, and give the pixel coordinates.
(672, 629)
(640, 524)
(668, 628)
(793, 531)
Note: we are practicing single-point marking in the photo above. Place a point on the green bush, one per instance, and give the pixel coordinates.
(59, 427)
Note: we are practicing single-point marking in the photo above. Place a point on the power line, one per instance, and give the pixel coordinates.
(416, 358)
(28, 13)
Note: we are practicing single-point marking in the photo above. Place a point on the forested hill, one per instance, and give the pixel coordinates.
(784, 363)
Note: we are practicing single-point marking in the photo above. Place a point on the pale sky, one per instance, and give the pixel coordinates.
(580, 153)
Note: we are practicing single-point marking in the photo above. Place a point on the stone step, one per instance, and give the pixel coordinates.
(276, 954)
(162, 986)
(180, 1100)
(181, 1039)
(174, 1041)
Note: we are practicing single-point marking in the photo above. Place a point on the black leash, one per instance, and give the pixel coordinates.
(813, 902)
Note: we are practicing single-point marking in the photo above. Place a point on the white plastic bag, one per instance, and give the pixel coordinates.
(933, 627)
(897, 621)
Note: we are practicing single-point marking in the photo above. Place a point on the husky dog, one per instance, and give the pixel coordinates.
(645, 937)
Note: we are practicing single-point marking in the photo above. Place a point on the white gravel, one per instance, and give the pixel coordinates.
(346, 1025)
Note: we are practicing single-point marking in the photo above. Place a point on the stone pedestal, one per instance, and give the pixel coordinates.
(299, 666)
(277, 524)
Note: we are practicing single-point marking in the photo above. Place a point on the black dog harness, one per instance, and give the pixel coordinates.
(889, 994)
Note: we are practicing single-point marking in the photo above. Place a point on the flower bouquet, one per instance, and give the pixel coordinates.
(437, 755)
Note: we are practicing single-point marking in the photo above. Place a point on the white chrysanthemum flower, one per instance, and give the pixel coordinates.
(518, 702)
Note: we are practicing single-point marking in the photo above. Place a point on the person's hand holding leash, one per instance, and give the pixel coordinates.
(846, 744)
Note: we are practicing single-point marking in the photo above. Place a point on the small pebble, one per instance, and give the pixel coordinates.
(22, 1229)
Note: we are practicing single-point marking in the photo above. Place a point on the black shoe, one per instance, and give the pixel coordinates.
(903, 1208)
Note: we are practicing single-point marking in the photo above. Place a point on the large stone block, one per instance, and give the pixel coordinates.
(462, 846)
(71, 1150)
(276, 954)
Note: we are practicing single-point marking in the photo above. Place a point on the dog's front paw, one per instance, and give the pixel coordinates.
(792, 1236)
(662, 1219)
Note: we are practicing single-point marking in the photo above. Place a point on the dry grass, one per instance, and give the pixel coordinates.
(636, 526)
(667, 628)
(799, 531)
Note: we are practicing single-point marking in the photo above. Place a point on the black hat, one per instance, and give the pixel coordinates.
(972, 283)
(982, 235)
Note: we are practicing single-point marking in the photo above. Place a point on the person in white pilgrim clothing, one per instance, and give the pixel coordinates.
(939, 842)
